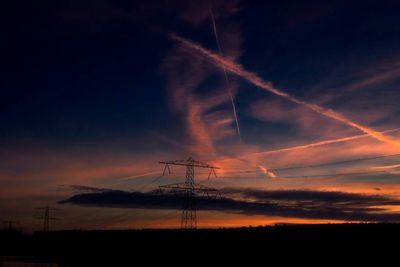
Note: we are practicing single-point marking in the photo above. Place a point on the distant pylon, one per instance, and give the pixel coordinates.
(189, 189)
(10, 224)
(46, 217)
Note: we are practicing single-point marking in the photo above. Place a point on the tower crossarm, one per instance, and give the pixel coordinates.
(189, 162)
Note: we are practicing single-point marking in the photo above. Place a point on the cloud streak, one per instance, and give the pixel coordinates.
(259, 82)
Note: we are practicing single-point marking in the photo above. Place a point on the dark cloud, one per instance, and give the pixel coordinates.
(83, 188)
(282, 203)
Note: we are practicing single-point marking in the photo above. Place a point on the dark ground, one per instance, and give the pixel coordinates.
(323, 244)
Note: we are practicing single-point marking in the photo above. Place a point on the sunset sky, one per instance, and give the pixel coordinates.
(297, 103)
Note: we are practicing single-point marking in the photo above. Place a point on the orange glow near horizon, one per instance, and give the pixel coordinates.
(224, 220)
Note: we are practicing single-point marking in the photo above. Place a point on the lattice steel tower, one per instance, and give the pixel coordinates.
(189, 189)
(46, 217)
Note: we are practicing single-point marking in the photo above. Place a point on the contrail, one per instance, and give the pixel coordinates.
(259, 82)
(316, 144)
(225, 74)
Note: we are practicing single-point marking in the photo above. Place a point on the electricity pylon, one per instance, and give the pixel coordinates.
(189, 189)
(46, 217)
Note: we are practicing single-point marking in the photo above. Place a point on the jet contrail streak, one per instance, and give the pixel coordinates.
(225, 74)
(316, 144)
(321, 143)
(259, 82)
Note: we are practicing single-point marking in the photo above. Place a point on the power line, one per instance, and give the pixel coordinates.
(318, 165)
(162, 217)
(303, 146)
(271, 169)
(334, 163)
(150, 182)
(310, 176)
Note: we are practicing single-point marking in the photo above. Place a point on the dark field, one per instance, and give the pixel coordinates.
(286, 243)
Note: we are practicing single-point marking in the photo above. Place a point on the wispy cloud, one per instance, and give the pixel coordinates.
(376, 79)
(376, 75)
(197, 90)
(259, 82)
